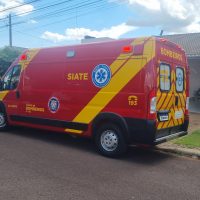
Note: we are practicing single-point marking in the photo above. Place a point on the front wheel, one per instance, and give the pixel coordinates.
(3, 122)
(110, 140)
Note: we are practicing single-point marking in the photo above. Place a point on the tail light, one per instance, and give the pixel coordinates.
(152, 105)
(187, 106)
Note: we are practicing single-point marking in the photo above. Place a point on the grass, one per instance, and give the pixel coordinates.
(192, 140)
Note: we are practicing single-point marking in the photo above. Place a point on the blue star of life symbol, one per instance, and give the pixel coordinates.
(53, 104)
(101, 75)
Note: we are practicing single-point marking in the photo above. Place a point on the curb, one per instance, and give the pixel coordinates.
(193, 153)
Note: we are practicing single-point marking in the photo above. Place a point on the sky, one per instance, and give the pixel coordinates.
(44, 23)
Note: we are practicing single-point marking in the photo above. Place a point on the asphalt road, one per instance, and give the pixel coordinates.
(37, 165)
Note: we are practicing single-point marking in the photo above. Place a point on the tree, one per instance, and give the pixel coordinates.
(7, 56)
(3, 66)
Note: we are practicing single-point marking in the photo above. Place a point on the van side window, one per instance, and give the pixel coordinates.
(179, 79)
(11, 79)
(70, 53)
(165, 77)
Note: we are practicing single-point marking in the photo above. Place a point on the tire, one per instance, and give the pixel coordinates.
(110, 141)
(3, 121)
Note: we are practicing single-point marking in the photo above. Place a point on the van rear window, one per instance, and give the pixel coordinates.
(165, 78)
(179, 79)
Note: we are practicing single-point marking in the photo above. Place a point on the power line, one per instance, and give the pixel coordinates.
(73, 7)
(57, 12)
(10, 8)
(43, 8)
(68, 8)
(39, 9)
(21, 14)
(29, 35)
(39, 38)
(73, 17)
(95, 7)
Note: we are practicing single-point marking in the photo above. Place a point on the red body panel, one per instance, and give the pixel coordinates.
(50, 73)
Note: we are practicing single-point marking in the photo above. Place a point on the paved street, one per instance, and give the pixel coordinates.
(37, 165)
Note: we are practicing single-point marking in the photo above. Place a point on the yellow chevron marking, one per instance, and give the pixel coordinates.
(161, 101)
(160, 125)
(3, 94)
(171, 123)
(158, 93)
(73, 131)
(182, 99)
(166, 102)
(118, 81)
(167, 123)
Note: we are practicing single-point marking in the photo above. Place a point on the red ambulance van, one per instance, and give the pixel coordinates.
(117, 92)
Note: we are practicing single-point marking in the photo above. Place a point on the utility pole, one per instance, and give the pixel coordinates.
(10, 30)
(161, 32)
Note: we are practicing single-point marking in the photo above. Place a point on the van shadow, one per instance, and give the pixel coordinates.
(146, 156)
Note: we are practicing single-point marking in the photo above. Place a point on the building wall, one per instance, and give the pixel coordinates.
(194, 64)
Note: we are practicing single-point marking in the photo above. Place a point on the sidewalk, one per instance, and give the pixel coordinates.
(176, 149)
(180, 150)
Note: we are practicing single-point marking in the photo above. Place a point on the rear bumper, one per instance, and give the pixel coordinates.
(145, 131)
(169, 137)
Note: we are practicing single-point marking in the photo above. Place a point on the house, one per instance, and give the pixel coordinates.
(191, 44)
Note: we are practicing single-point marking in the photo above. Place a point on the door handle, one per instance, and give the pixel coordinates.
(176, 100)
(17, 94)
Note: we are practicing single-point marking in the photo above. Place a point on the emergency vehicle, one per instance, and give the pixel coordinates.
(118, 92)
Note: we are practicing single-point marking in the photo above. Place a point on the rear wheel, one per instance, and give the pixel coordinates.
(110, 140)
(3, 121)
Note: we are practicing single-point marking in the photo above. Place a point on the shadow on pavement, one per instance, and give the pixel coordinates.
(55, 138)
(146, 156)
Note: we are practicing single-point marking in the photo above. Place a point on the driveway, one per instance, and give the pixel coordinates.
(39, 165)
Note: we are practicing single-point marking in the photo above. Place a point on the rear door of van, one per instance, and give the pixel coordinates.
(171, 89)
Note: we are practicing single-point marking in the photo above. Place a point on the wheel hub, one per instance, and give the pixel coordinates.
(109, 140)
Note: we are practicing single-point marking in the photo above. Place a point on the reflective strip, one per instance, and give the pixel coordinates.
(73, 131)
(118, 82)
(3, 94)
